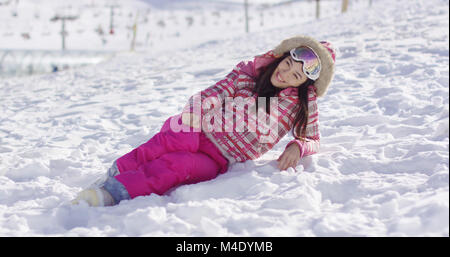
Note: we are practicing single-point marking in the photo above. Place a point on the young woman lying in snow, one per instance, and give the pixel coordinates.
(203, 140)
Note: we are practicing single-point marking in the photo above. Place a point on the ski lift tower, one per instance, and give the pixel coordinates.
(111, 20)
(63, 19)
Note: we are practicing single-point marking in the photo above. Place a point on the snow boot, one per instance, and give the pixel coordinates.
(94, 197)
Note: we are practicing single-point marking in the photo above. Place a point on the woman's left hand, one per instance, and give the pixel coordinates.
(289, 158)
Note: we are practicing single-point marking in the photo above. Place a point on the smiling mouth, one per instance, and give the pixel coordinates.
(279, 77)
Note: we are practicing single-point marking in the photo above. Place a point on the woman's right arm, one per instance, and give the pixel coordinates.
(225, 88)
(193, 111)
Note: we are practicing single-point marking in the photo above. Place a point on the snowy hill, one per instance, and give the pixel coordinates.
(31, 32)
(383, 167)
(108, 25)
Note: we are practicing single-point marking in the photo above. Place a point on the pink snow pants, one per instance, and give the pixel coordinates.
(169, 159)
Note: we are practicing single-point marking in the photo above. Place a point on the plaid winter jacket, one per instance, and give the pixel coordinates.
(239, 129)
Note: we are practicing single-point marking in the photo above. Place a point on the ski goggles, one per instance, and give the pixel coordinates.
(311, 62)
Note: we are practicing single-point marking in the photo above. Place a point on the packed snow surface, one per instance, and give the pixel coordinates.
(383, 167)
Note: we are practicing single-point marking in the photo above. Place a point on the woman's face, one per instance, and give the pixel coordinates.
(289, 73)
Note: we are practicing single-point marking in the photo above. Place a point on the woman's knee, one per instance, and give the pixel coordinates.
(203, 168)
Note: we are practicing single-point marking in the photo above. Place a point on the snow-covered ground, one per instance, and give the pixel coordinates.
(383, 168)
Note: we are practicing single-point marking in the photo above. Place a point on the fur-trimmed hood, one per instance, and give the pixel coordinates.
(324, 50)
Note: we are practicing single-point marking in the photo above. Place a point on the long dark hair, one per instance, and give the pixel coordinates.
(265, 88)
